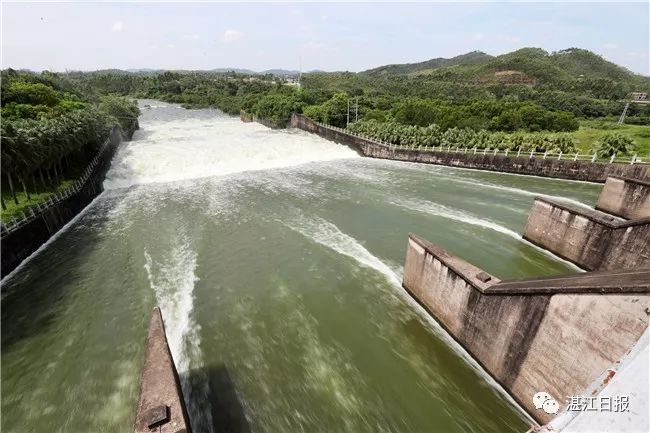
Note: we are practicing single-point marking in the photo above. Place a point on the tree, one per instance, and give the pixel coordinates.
(124, 110)
(277, 108)
(415, 111)
(22, 92)
(336, 109)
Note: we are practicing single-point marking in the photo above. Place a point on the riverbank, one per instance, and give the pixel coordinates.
(40, 223)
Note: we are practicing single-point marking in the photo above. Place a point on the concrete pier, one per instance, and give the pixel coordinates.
(161, 408)
(589, 238)
(555, 335)
(625, 197)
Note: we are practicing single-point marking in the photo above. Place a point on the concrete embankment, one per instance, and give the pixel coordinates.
(161, 407)
(550, 167)
(20, 243)
(249, 117)
(555, 336)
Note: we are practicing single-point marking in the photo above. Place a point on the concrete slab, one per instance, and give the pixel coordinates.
(161, 407)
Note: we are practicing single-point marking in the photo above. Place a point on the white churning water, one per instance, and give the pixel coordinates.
(212, 145)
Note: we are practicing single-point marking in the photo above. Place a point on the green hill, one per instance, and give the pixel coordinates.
(472, 58)
(573, 69)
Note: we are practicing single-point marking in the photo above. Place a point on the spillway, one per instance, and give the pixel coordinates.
(275, 256)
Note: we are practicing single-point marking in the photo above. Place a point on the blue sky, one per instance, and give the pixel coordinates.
(328, 36)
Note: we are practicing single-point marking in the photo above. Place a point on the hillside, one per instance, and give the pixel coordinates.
(471, 58)
(571, 69)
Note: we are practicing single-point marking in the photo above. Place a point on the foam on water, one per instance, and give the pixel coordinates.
(45, 245)
(172, 278)
(169, 150)
(443, 211)
(451, 174)
(329, 235)
(520, 191)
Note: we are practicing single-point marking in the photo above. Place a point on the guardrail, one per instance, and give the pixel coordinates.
(35, 211)
(485, 151)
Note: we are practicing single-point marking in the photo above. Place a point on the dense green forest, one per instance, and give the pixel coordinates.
(50, 130)
(528, 99)
(528, 89)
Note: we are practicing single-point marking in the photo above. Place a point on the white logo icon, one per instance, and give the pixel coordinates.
(551, 406)
(544, 401)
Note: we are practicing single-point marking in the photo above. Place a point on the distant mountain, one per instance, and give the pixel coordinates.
(150, 71)
(281, 72)
(235, 70)
(472, 58)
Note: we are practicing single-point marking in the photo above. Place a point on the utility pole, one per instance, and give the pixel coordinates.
(348, 121)
(299, 70)
(622, 118)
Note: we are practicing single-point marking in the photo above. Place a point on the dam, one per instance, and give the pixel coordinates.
(276, 258)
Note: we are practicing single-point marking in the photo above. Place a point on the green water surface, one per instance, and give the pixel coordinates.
(280, 291)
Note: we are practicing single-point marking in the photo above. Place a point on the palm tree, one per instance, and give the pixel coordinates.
(11, 187)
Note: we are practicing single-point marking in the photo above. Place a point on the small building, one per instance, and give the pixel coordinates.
(638, 96)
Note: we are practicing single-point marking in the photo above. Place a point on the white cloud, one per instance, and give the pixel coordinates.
(610, 46)
(171, 46)
(192, 37)
(231, 36)
(118, 26)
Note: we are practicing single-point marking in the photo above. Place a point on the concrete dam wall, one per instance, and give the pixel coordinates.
(550, 167)
(555, 335)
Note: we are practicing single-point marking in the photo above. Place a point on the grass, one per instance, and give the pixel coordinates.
(591, 130)
(14, 210)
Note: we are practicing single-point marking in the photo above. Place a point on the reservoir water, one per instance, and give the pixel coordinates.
(276, 258)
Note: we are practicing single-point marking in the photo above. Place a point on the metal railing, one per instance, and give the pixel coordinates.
(38, 209)
(486, 151)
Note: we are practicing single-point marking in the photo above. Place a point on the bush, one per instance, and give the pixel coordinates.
(433, 135)
(14, 110)
(614, 144)
(377, 115)
(316, 112)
